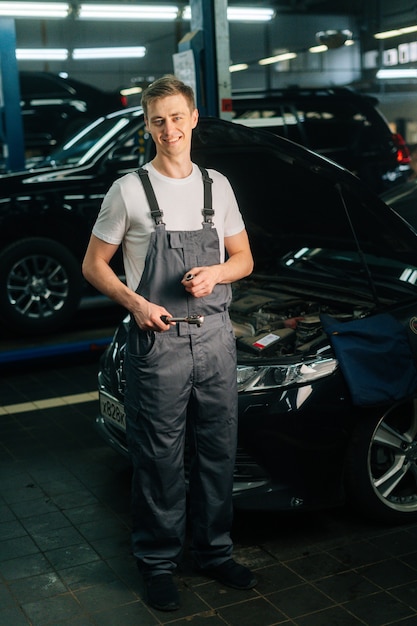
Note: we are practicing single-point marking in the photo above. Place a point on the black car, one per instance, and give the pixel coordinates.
(337, 122)
(54, 107)
(324, 245)
(328, 254)
(46, 216)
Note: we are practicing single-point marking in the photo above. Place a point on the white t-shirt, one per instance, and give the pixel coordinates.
(125, 216)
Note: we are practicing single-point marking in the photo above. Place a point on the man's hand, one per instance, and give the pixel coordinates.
(200, 281)
(203, 280)
(148, 315)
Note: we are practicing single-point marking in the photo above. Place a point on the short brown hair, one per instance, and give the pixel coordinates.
(168, 85)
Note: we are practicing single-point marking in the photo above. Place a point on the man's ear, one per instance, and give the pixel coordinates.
(195, 118)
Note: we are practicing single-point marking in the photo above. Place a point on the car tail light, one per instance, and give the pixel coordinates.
(403, 152)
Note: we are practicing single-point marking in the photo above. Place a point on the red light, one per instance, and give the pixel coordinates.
(403, 152)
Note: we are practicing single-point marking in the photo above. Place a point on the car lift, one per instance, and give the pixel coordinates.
(10, 98)
(206, 66)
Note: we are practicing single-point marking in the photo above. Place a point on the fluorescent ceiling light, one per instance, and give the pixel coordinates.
(285, 56)
(244, 14)
(93, 11)
(132, 52)
(238, 67)
(41, 54)
(131, 91)
(241, 14)
(34, 9)
(127, 12)
(62, 54)
(316, 49)
(388, 74)
(387, 34)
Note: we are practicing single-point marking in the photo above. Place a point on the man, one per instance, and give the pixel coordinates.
(175, 222)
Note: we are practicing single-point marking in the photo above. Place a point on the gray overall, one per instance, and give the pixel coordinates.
(185, 377)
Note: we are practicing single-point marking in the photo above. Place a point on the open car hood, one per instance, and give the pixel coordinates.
(299, 208)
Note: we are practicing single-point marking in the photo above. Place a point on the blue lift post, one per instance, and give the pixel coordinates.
(11, 112)
(209, 42)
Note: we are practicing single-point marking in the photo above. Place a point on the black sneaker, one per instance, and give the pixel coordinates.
(231, 574)
(162, 594)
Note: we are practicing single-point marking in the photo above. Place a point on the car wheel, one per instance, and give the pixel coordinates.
(40, 285)
(381, 471)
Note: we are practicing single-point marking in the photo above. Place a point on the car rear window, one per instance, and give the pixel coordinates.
(324, 126)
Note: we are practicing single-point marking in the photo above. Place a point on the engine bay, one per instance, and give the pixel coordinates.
(272, 324)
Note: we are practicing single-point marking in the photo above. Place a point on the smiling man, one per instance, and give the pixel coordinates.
(184, 242)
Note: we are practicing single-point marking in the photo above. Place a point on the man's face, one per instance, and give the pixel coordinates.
(170, 122)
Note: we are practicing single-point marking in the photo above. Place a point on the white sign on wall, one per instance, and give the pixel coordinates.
(184, 68)
(400, 55)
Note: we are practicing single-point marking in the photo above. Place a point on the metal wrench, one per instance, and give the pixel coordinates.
(191, 319)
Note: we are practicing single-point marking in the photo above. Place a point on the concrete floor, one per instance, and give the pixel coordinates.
(64, 532)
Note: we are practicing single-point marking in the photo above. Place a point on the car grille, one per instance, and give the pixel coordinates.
(246, 468)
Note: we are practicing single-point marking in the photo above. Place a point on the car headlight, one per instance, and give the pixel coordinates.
(260, 377)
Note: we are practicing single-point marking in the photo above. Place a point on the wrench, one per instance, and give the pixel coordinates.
(191, 319)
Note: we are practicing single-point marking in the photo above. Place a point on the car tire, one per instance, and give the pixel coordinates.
(40, 286)
(381, 469)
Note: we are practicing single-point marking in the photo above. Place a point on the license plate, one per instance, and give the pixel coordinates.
(112, 410)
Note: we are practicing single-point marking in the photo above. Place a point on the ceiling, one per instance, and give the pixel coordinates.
(248, 42)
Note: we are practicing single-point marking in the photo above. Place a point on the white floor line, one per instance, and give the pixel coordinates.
(48, 403)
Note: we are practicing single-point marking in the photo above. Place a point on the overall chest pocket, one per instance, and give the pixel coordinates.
(197, 248)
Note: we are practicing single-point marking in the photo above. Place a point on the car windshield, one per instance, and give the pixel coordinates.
(87, 143)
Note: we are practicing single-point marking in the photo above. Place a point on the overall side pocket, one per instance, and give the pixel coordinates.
(140, 342)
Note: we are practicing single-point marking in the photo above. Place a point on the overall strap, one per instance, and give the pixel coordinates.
(150, 195)
(157, 214)
(208, 211)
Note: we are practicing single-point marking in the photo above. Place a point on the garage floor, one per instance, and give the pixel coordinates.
(64, 533)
